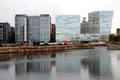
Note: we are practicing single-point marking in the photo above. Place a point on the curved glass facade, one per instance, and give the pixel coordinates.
(101, 23)
(105, 24)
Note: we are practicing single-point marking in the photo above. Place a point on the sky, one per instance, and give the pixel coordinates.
(8, 9)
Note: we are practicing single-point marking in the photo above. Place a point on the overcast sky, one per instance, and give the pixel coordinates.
(8, 8)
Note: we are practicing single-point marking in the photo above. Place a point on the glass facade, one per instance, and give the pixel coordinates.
(100, 23)
(39, 28)
(67, 27)
(105, 24)
(33, 28)
(19, 27)
(45, 25)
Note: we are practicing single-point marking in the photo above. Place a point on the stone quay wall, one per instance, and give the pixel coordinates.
(113, 46)
(28, 49)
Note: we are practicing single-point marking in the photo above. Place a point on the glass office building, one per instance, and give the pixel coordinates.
(32, 28)
(67, 27)
(39, 28)
(20, 27)
(100, 23)
(105, 24)
(45, 27)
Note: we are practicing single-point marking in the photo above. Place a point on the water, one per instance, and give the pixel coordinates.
(88, 64)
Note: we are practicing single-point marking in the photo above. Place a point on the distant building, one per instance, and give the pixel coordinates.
(118, 30)
(85, 28)
(53, 33)
(100, 23)
(12, 35)
(33, 29)
(114, 38)
(67, 28)
(4, 32)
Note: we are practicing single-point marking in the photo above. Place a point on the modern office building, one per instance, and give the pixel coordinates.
(100, 23)
(67, 27)
(33, 28)
(4, 32)
(45, 26)
(20, 28)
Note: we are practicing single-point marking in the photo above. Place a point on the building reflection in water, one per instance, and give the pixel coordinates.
(95, 64)
(65, 64)
(98, 63)
(4, 67)
(39, 66)
(7, 72)
(115, 60)
(68, 67)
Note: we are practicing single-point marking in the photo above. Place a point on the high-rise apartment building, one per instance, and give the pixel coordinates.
(33, 28)
(67, 27)
(100, 23)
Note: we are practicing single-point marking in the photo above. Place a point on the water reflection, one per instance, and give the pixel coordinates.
(7, 72)
(33, 67)
(96, 64)
(115, 62)
(99, 64)
(4, 67)
(67, 65)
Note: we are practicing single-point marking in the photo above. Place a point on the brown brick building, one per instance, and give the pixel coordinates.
(53, 33)
(12, 35)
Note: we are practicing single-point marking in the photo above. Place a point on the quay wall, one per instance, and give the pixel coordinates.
(28, 49)
(113, 46)
(104, 44)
